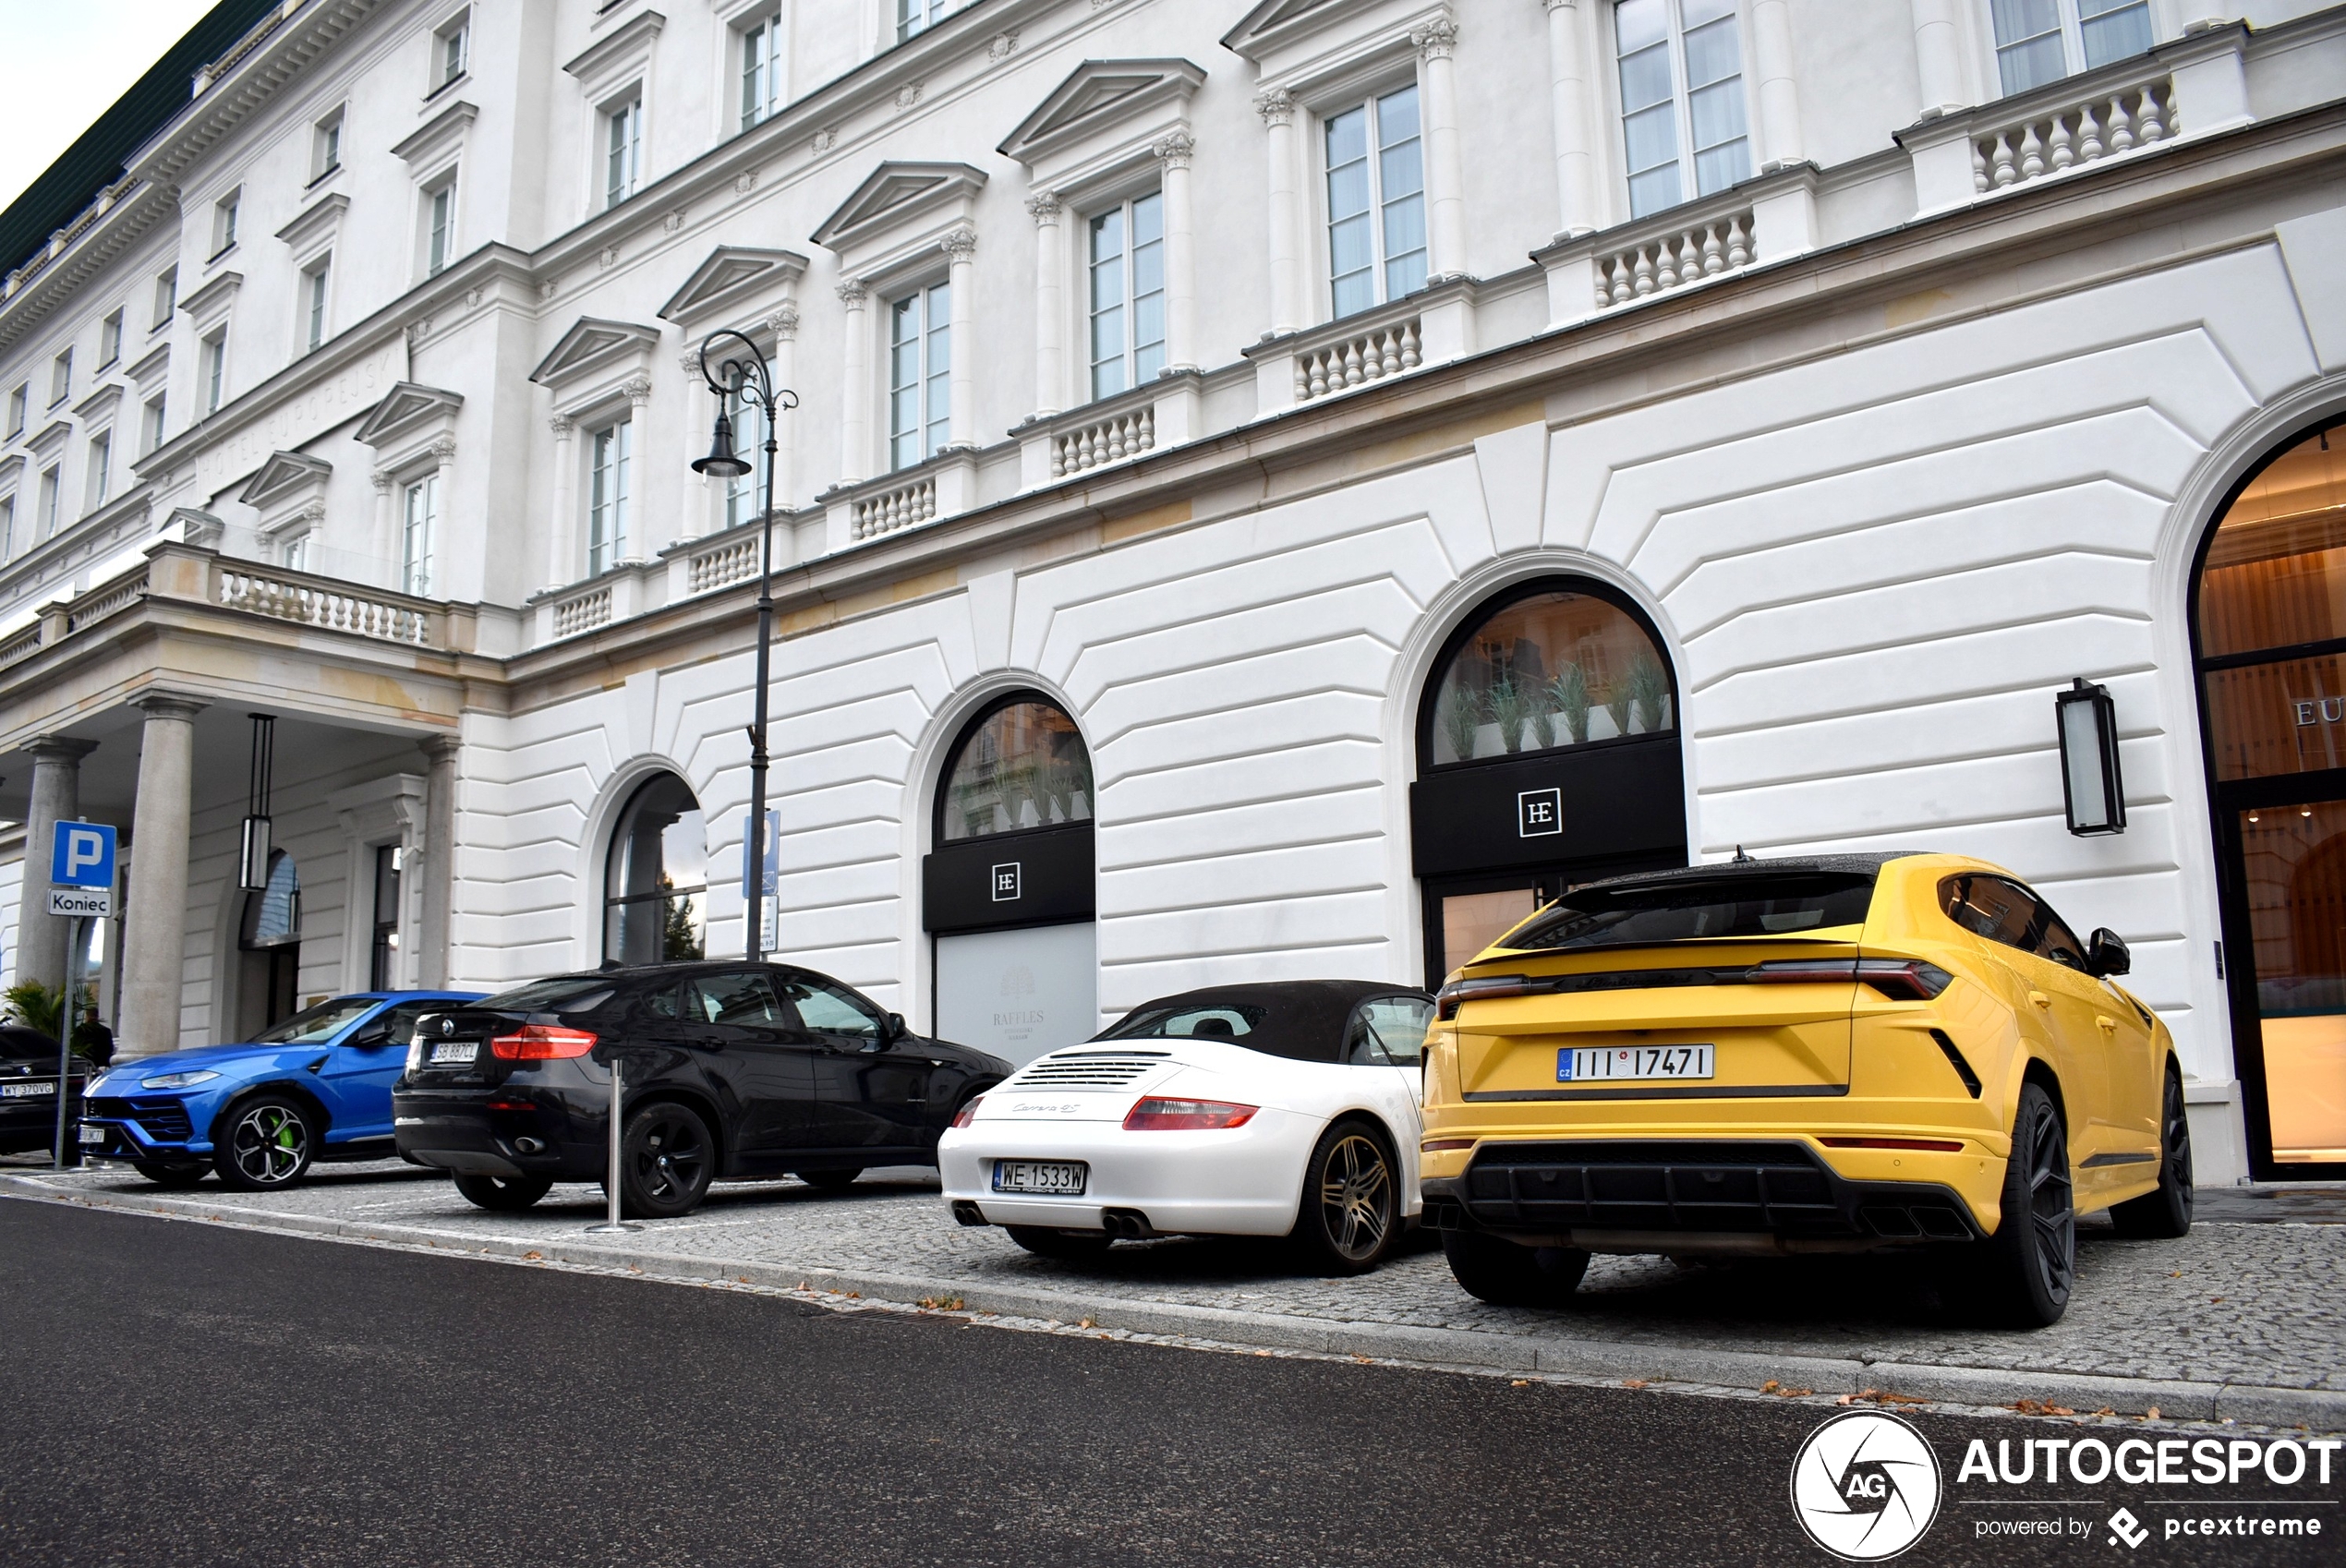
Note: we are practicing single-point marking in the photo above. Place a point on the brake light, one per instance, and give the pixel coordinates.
(540, 1041)
(1903, 980)
(1927, 1145)
(1187, 1116)
(968, 1113)
(1446, 1001)
(1441, 1145)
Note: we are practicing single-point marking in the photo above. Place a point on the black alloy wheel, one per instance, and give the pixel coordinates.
(172, 1175)
(2164, 1213)
(265, 1144)
(1350, 1218)
(505, 1194)
(1504, 1273)
(829, 1181)
(1073, 1246)
(2032, 1259)
(666, 1161)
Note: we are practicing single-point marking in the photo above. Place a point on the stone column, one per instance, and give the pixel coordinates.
(1569, 99)
(1937, 57)
(783, 324)
(855, 394)
(695, 501)
(1050, 305)
(44, 940)
(1780, 138)
(960, 260)
(386, 535)
(1287, 213)
(1173, 153)
(1446, 169)
(439, 857)
(562, 534)
(155, 916)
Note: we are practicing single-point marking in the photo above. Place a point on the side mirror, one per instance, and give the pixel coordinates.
(2107, 953)
(368, 1040)
(897, 1029)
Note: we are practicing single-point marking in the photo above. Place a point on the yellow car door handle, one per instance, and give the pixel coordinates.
(2040, 998)
(2108, 1025)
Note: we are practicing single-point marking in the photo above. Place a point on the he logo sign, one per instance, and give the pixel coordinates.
(1539, 812)
(1006, 881)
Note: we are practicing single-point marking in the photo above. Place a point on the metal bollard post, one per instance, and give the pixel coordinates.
(611, 1220)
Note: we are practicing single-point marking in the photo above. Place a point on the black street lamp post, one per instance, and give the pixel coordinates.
(742, 380)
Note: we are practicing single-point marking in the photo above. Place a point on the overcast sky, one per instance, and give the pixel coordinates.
(63, 63)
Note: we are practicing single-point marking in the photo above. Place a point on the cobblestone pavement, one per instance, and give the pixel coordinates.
(2256, 1295)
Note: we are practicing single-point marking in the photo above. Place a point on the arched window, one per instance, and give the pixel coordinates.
(1020, 765)
(1547, 669)
(273, 913)
(656, 881)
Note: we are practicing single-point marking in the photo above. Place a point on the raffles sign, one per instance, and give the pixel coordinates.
(338, 399)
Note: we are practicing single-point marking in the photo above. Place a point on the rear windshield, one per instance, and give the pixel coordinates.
(1191, 1020)
(313, 1025)
(1688, 910)
(572, 993)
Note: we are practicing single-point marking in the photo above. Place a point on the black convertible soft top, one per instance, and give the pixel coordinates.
(1300, 1018)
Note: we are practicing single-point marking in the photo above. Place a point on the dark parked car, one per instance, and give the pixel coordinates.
(28, 1091)
(729, 1069)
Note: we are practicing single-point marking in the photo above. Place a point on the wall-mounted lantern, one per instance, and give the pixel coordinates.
(252, 863)
(2088, 720)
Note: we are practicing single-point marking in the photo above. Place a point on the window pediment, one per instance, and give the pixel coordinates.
(1103, 104)
(731, 278)
(902, 210)
(284, 476)
(605, 59)
(443, 132)
(50, 444)
(99, 404)
(405, 409)
(316, 223)
(209, 302)
(1298, 44)
(592, 348)
(148, 373)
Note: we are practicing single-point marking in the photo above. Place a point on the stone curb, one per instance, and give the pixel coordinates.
(2319, 1409)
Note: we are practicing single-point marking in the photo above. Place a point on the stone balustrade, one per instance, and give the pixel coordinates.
(1702, 250)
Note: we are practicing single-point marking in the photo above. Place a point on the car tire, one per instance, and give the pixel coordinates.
(169, 1174)
(1045, 1242)
(1504, 1273)
(264, 1144)
(829, 1181)
(2164, 1213)
(1349, 1218)
(504, 1194)
(667, 1159)
(2027, 1269)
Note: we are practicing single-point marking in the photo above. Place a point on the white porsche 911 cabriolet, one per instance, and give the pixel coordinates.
(1287, 1108)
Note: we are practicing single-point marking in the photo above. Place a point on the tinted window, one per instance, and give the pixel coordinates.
(2057, 941)
(1233, 1020)
(19, 1044)
(1991, 907)
(1389, 1030)
(399, 1023)
(316, 1025)
(573, 994)
(829, 1009)
(1635, 916)
(743, 998)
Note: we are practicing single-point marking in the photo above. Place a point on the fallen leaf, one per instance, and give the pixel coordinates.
(2042, 1407)
(1262, 1353)
(1769, 1386)
(1794, 1392)
(1086, 1323)
(2105, 1410)
(855, 1295)
(1520, 1383)
(533, 1254)
(2215, 1301)
(2151, 1414)
(1633, 1383)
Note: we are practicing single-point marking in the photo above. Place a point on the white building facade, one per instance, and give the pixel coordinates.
(1272, 490)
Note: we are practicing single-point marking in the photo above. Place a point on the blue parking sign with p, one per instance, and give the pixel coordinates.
(83, 855)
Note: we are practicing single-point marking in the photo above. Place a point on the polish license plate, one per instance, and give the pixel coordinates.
(454, 1055)
(26, 1090)
(92, 1134)
(1632, 1062)
(1059, 1178)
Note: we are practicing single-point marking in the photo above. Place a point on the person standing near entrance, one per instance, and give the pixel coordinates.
(93, 1039)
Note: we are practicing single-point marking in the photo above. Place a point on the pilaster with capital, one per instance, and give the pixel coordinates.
(960, 261)
(1781, 143)
(439, 859)
(1050, 303)
(1436, 42)
(562, 565)
(1277, 109)
(855, 407)
(1569, 97)
(1174, 151)
(1937, 57)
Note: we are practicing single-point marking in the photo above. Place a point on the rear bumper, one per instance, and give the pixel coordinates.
(492, 1132)
(1236, 1181)
(1692, 1196)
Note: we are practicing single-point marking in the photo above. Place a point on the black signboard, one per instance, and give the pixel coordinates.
(1606, 800)
(1011, 879)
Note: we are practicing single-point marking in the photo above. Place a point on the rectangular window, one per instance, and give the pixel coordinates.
(920, 367)
(1376, 201)
(167, 298)
(1127, 304)
(917, 16)
(440, 217)
(294, 555)
(325, 146)
(49, 488)
(93, 494)
(313, 302)
(450, 45)
(749, 439)
(606, 497)
(214, 367)
(2042, 41)
(1682, 100)
(382, 968)
(110, 340)
(16, 402)
(224, 222)
(761, 71)
(7, 526)
(418, 529)
(623, 150)
(152, 435)
(60, 377)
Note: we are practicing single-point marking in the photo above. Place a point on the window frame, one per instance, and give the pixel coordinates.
(749, 440)
(756, 109)
(2070, 26)
(693, 895)
(325, 143)
(1128, 356)
(61, 377)
(607, 515)
(97, 471)
(211, 367)
(52, 498)
(950, 760)
(916, 17)
(1369, 101)
(317, 280)
(439, 223)
(451, 51)
(109, 339)
(934, 428)
(19, 408)
(1684, 160)
(167, 298)
(225, 214)
(155, 410)
(621, 124)
(418, 567)
(8, 526)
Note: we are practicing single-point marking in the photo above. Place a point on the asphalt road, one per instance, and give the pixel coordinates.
(233, 1397)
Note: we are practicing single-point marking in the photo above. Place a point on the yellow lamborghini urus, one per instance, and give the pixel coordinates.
(1840, 1053)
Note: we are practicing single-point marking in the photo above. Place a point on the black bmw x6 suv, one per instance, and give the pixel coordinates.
(727, 1069)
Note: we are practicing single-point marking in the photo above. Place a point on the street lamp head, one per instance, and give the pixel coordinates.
(723, 461)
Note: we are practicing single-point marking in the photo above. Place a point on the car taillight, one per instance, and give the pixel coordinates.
(968, 1113)
(1928, 1145)
(1906, 979)
(1447, 1000)
(538, 1041)
(1186, 1116)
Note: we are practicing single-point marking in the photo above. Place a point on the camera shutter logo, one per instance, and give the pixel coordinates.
(1006, 881)
(1866, 1486)
(1539, 812)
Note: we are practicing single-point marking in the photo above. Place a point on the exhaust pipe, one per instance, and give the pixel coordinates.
(967, 1213)
(1125, 1225)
